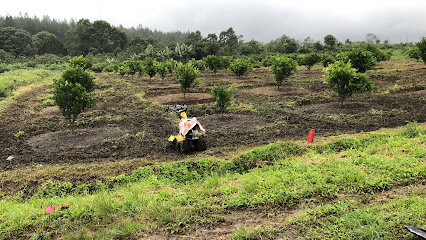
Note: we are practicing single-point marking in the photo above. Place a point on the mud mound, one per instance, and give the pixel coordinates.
(229, 122)
(79, 138)
(190, 99)
(337, 108)
(274, 91)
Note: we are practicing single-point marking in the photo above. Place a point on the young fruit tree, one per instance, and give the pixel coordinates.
(81, 62)
(283, 68)
(241, 66)
(213, 63)
(421, 46)
(162, 69)
(345, 80)
(361, 59)
(71, 98)
(149, 66)
(222, 97)
(78, 75)
(186, 75)
(310, 60)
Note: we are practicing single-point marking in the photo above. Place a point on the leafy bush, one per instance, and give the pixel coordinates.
(377, 53)
(282, 68)
(345, 80)
(422, 49)
(198, 64)
(241, 66)
(162, 69)
(3, 68)
(71, 98)
(328, 59)
(171, 65)
(412, 130)
(132, 67)
(97, 68)
(225, 62)
(186, 75)
(310, 60)
(413, 52)
(361, 59)
(222, 97)
(213, 63)
(149, 67)
(78, 75)
(81, 62)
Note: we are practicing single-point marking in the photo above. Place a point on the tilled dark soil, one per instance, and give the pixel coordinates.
(123, 126)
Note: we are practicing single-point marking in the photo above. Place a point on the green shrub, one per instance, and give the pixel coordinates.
(213, 63)
(4, 68)
(162, 69)
(282, 68)
(310, 60)
(200, 65)
(345, 80)
(377, 53)
(225, 62)
(413, 52)
(171, 65)
(71, 98)
(186, 75)
(412, 130)
(78, 75)
(222, 97)
(97, 68)
(361, 59)
(327, 60)
(421, 45)
(81, 62)
(241, 66)
(149, 67)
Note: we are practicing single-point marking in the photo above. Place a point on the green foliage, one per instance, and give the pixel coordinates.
(213, 63)
(171, 65)
(225, 62)
(413, 52)
(99, 67)
(241, 66)
(222, 97)
(46, 42)
(330, 41)
(198, 64)
(80, 62)
(3, 68)
(162, 69)
(122, 70)
(149, 67)
(15, 41)
(327, 60)
(361, 59)
(412, 130)
(132, 67)
(80, 76)
(71, 98)
(310, 60)
(421, 45)
(186, 75)
(377, 53)
(345, 80)
(283, 68)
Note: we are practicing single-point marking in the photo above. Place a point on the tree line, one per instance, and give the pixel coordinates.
(29, 36)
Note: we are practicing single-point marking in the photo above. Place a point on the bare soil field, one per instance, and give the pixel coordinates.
(129, 121)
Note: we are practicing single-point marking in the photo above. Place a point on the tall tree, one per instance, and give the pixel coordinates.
(16, 41)
(45, 42)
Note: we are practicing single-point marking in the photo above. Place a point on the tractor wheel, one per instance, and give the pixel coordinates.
(184, 146)
(201, 144)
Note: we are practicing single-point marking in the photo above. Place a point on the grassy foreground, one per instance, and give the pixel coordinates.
(339, 176)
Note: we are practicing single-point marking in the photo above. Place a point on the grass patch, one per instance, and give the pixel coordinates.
(172, 197)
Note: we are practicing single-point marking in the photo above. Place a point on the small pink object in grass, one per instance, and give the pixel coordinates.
(50, 209)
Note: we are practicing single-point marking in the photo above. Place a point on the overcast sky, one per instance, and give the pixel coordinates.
(263, 20)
